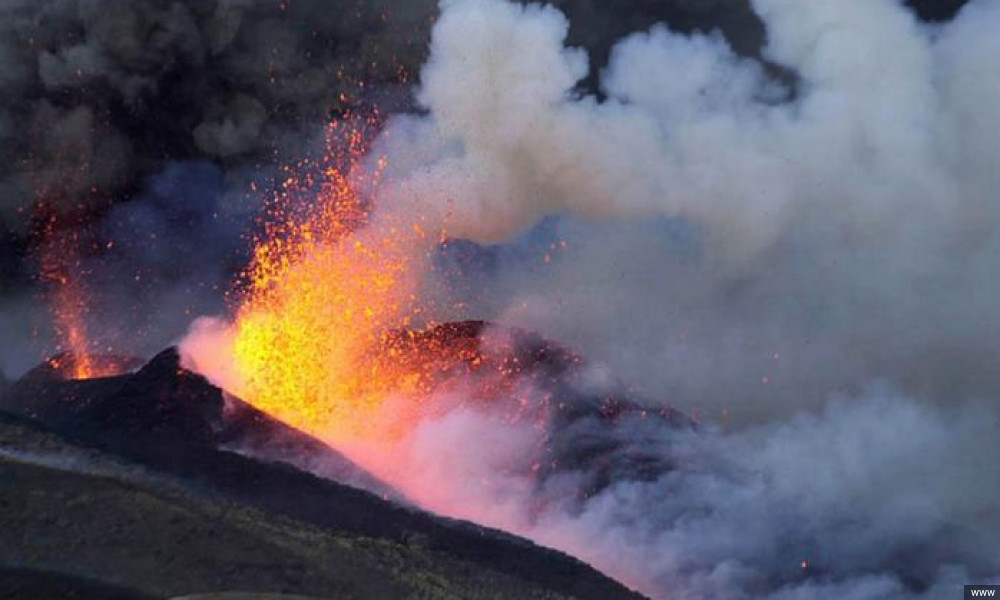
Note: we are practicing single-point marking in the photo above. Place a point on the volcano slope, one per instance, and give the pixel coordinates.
(131, 487)
(590, 425)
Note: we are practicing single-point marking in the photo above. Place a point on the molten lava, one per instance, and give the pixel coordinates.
(63, 274)
(325, 287)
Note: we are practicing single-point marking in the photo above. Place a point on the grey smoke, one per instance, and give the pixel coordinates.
(873, 497)
(739, 245)
(103, 94)
(752, 229)
(102, 100)
(838, 234)
(100, 97)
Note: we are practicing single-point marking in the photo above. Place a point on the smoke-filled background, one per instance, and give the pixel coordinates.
(727, 238)
(779, 216)
(800, 243)
(146, 124)
(144, 129)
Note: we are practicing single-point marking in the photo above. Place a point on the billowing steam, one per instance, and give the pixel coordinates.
(801, 246)
(731, 240)
(736, 242)
(877, 497)
(151, 127)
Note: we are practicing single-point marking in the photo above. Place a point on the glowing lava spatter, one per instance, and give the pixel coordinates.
(325, 287)
(62, 274)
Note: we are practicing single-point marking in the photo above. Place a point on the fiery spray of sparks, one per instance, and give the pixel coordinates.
(330, 336)
(325, 289)
(63, 275)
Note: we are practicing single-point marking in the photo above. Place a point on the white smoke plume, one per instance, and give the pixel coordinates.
(743, 243)
(877, 497)
(846, 226)
(732, 241)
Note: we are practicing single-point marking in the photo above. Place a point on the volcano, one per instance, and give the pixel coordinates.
(171, 421)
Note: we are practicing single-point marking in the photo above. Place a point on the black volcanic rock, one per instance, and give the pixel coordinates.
(163, 413)
(30, 584)
(159, 405)
(79, 523)
(174, 422)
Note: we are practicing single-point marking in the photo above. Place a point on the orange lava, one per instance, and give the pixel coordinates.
(324, 290)
(62, 273)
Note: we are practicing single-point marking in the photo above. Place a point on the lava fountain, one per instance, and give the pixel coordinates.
(63, 275)
(326, 287)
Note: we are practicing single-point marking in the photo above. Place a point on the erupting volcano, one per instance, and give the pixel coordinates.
(482, 298)
(325, 337)
(323, 292)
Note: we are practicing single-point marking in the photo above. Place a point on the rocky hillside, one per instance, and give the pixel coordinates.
(107, 492)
